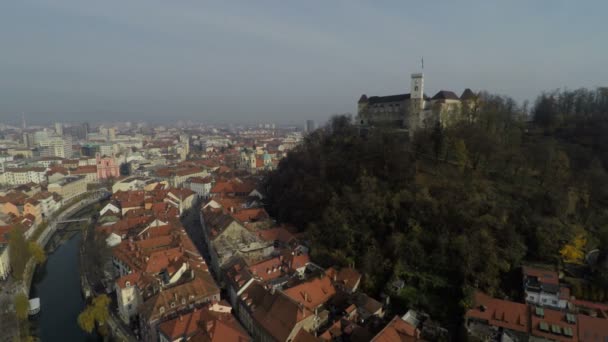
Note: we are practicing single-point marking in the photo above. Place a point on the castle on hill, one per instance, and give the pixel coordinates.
(414, 110)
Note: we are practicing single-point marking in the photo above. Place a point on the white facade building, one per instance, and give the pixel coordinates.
(23, 176)
(5, 266)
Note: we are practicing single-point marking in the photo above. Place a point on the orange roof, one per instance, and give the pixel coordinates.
(499, 313)
(544, 276)
(251, 214)
(551, 318)
(184, 326)
(276, 234)
(155, 243)
(590, 328)
(4, 234)
(132, 278)
(312, 293)
(275, 312)
(305, 336)
(347, 276)
(297, 260)
(590, 305)
(223, 329)
(85, 169)
(268, 269)
(397, 330)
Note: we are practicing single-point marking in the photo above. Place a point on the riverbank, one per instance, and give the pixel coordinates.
(43, 238)
(117, 330)
(11, 326)
(57, 284)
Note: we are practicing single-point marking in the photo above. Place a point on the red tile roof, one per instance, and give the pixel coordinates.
(551, 318)
(544, 276)
(499, 313)
(268, 269)
(275, 312)
(4, 234)
(251, 215)
(591, 329)
(397, 330)
(276, 234)
(182, 327)
(312, 293)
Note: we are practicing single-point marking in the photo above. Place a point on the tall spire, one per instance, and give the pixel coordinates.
(23, 125)
(422, 62)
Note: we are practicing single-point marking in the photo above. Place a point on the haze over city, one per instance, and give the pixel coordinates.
(247, 61)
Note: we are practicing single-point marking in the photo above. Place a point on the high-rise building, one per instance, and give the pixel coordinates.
(310, 126)
(40, 136)
(77, 131)
(59, 128)
(86, 128)
(28, 139)
(112, 133)
(56, 147)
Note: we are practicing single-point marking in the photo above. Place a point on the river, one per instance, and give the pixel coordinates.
(57, 284)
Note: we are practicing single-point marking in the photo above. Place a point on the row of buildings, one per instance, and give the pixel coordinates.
(26, 207)
(548, 312)
(161, 280)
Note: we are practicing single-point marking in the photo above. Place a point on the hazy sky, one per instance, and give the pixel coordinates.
(285, 61)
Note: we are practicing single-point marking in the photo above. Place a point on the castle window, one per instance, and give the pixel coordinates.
(416, 88)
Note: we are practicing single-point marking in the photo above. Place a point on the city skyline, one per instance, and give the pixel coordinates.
(239, 62)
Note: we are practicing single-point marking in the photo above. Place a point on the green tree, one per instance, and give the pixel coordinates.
(36, 251)
(19, 252)
(21, 306)
(461, 154)
(96, 312)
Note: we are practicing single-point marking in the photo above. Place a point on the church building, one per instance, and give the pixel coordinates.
(414, 110)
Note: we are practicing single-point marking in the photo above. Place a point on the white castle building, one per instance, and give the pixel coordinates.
(414, 110)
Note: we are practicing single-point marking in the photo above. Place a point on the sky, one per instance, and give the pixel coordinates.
(282, 61)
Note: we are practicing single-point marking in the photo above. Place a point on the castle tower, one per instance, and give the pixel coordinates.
(417, 88)
(413, 121)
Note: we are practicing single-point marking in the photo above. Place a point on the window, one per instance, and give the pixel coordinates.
(183, 301)
(161, 310)
(172, 304)
(416, 88)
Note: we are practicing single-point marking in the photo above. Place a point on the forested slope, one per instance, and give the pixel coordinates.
(455, 209)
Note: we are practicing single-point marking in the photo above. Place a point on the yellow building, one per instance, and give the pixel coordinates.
(69, 187)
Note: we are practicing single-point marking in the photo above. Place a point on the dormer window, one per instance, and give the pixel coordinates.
(161, 310)
(183, 301)
(128, 284)
(172, 305)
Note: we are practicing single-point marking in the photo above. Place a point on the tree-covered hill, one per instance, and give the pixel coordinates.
(455, 209)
